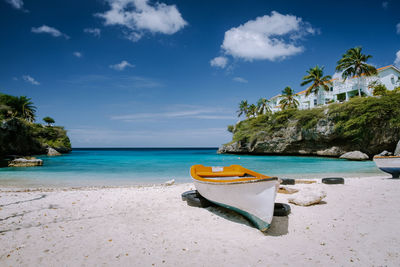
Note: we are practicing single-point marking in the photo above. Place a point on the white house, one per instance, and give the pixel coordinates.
(341, 90)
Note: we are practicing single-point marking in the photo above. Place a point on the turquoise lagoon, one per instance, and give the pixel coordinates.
(130, 166)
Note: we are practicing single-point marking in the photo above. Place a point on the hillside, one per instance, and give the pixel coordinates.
(19, 135)
(369, 124)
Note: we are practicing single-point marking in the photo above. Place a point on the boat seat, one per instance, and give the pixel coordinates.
(221, 174)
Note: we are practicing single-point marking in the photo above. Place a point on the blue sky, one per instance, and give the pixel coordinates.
(137, 73)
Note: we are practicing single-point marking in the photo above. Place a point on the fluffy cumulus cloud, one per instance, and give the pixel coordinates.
(397, 60)
(138, 16)
(270, 37)
(240, 80)
(77, 54)
(93, 31)
(18, 4)
(398, 28)
(30, 79)
(49, 30)
(219, 62)
(121, 66)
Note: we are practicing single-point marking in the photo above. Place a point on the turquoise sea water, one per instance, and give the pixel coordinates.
(108, 167)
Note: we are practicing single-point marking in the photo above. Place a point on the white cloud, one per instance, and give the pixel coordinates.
(385, 4)
(397, 60)
(18, 4)
(182, 112)
(398, 28)
(50, 30)
(138, 16)
(30, 79)
(270, 37)
(124, 82)
(240, 80)
(219, 62)
(77, 54)
(121, 66)
(93, 31)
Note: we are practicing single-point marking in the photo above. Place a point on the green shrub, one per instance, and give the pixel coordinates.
(379, 89)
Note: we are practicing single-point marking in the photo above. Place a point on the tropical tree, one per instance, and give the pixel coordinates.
(19, 106)
(48, 120)
(288, 99)
(316, 77)
(252, 111)
(263, 106)
(243, 108)
(354, 64)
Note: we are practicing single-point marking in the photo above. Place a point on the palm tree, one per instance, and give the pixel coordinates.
(263, 106)
(19, 106)
(243, 108)
(252, 111)
(24, 108)
(354, 64)
(316, 77)
(288, 99)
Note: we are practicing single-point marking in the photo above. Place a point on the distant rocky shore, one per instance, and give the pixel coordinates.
(19, 140)
(366, 125)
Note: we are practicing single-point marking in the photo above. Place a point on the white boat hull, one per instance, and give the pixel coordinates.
(389, 164)
(254, 200)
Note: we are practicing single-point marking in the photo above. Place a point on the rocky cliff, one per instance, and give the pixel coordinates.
(370, 125)
(18, 137)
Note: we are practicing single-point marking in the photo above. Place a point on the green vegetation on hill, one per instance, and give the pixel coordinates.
(19, 135)
(358, 123)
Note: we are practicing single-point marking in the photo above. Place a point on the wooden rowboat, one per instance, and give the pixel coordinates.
(236, 188)
(389, 164)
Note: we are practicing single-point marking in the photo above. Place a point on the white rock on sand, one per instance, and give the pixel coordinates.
(307, 197)
(146, 226)
(170, 182)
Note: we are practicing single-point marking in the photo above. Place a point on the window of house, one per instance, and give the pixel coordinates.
(392, 79)
(331, 89)
(315, 102)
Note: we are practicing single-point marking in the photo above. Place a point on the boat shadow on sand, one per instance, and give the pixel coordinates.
(279, 225)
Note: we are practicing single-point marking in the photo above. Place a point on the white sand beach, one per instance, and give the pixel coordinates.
(356, 225)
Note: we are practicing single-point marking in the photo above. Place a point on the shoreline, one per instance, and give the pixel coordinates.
(152, 226)
(102, 183)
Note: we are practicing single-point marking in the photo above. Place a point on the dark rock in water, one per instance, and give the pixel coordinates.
(354, 155)
(397, 150)
(52, 152)
(25, 162)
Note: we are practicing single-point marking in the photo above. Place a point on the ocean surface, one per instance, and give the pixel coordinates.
(130, 166)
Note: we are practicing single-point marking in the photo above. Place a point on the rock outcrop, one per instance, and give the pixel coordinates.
(369, 125)
(52, 152)
(18, 137)
(354, 155)
(25, 162)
